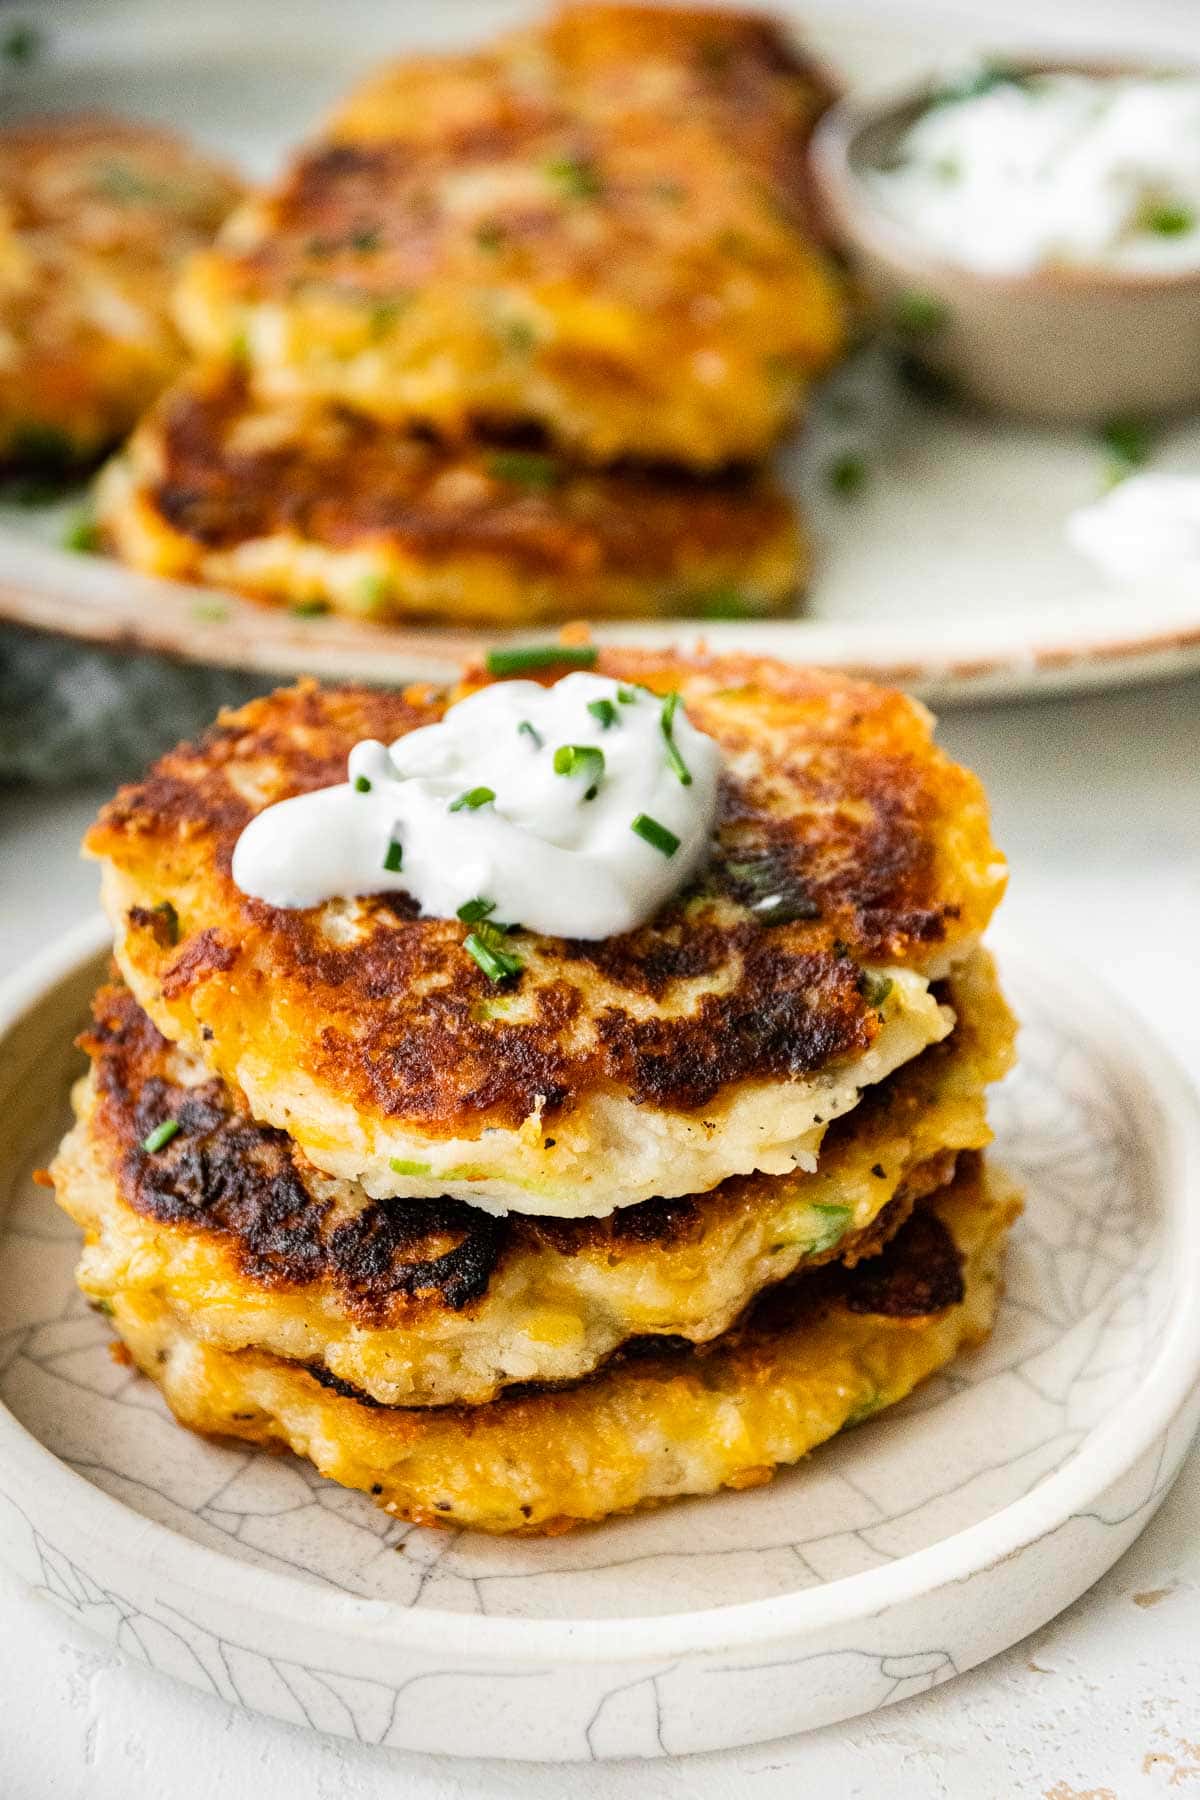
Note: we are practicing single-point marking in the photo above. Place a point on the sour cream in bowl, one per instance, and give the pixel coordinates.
(1032, 232)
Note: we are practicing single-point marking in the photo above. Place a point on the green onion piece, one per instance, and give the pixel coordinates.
(473, 798)
(1128, 441)
(399, 1166)
(496, 964)
(82, 535)
(919, 314)
(874, 988)
(361, 785)
(627, 696)
(308, 609)
(577, 177)
(1169, 220)
(162, 1134)
(524, 468)
(21, 43)
(581, 759)
(847, 475)
(540, 656)
(605, 712)
(394, 858)
(667, 724)
(655, 834)
(471, 911)
(532, 733)
(170, 919)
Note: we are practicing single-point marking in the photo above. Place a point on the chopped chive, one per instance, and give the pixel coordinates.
(605, 712)
(653, 833)
(471, 911)
(361, 785)
(581, 759)
(874, 988)
(529, 730)
(1128, 441)
(523, 468)
(627, 696)
(395, 857)
(162, 1134)
(308, 609)
(82, 535)
(496, 964)
(1168, 220)
(372, 591)
(540, 656)
(919, 314)
(576, 177)
(667, 725)
(399, 1166)
(847, 475)
(170, 919)
(473, 798)
(21, 43)
(723, 603)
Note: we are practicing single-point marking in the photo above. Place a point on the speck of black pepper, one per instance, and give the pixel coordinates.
(879, 1172)
(549, 1143)
(376, 1487)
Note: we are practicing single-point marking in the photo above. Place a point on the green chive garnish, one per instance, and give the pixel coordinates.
(473, 798)
(496, 964)
(399, 1165)
(308, 609)
(523, 468)
(394, 858)
(581, 759)
(627, 695)
(82, 535)
(1168, 220)
(874, 988)
(847, 475)
(667, 723)
(162, 1134)
(605, 712)
(471, 911)
(540, 656)
(577, 177)
(21, 43)
(526, 729)
(361, 785)
(1128, 441)
(655, 834)
(919, 314)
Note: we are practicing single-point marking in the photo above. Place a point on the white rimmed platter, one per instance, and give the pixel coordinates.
(950, 573)
(898, 1556)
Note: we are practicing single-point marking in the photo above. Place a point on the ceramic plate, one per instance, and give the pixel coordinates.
(949, 573)
(896, 1557)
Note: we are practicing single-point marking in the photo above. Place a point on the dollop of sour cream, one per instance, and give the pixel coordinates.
(1054, 170)
(1147, 527)
(506, 801)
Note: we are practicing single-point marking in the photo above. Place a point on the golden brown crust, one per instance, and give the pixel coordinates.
(96, 215)
(598, 227)
(878, 842)
(425, 1302)
(666, 1421)
(217, 488)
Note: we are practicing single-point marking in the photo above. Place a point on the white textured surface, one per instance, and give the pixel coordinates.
(1097, 804)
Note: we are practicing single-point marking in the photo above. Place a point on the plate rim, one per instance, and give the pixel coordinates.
(1107, 1452)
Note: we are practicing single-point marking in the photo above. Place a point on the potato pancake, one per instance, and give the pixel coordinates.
(428, 1302)
(96, 216)
(852, 864)
(818, 1354)
(599, 229)
(312, 504)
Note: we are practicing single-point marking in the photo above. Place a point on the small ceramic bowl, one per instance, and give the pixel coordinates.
(1066, 345)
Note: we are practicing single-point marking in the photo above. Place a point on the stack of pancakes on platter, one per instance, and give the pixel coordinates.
(653, 1216)
(509, 338)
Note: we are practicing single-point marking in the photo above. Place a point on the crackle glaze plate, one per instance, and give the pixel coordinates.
(949, 574)
(899, 1555)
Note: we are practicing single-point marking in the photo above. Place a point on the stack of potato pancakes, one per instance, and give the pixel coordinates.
(505, 341)
(643, 1216)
